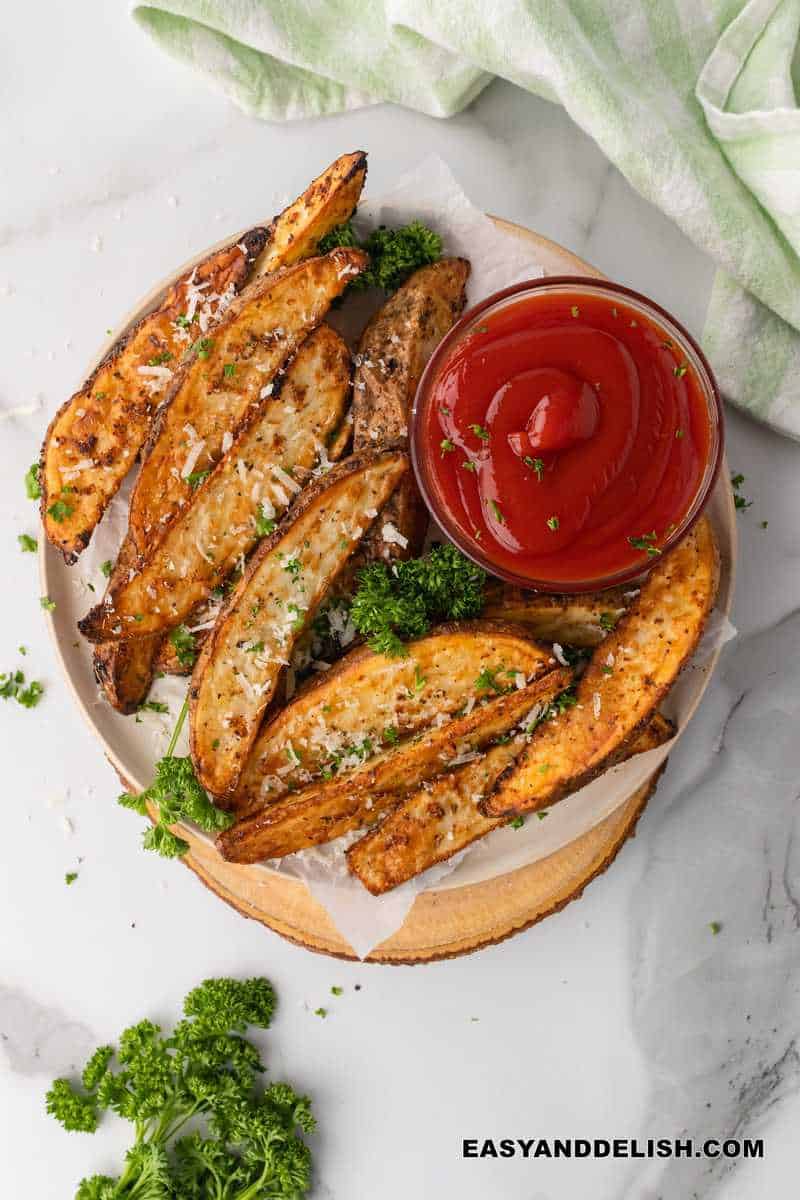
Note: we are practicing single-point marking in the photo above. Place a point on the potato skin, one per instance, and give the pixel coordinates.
(628, 676)
(108, 420)
(392, 354)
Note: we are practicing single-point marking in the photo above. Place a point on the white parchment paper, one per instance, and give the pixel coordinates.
(432, 194)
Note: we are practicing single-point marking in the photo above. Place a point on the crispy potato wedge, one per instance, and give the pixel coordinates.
(328, 201)
(219, 525)
(94, 438)
(581, 621)
(368, 700)
(629, 674)
(392, 354)
(223, 380)
(442, 818)
(276, 599)
(324, 811)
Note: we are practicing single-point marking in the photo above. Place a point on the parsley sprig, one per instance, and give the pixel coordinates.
(393, 253)
(177, 794)
(390, 606)
(245, 1139)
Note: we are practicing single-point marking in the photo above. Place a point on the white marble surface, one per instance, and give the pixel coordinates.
(623, 1014)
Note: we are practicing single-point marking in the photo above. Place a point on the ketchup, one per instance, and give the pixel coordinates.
(566, 437)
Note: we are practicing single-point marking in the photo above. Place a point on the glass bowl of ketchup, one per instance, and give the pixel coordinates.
(566, 433)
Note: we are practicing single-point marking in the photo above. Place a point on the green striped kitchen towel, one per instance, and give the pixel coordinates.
(693, 100)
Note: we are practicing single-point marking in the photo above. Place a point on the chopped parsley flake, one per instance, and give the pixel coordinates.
(715, 927)
(608, 621)
(679, 433)
(158, 360)
(576, 312)
(536, 465)
(264, 524)
(202, 346)
(680, 371)
(517, 823)
(445, 445)
(60, 510)
(229, 370)
(70, 877)
(47, 604)
(195, 478)
(337, 991)
(13, 687)
(27, 544)
(183, 643)
(646, 542)
(468, 465)
(391, 735)
(156, 706)
(553, 523)
(498, 512)
(487, 680)
(480, 432)
(107, 567)
(33, 488)
(320, 1012)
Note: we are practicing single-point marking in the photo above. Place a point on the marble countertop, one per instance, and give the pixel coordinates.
(623, 1015)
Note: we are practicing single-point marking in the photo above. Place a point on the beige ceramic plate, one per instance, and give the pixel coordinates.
(448, 921)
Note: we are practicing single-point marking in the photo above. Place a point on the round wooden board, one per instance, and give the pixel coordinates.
(451, 921)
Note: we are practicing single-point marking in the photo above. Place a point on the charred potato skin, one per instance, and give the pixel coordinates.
(131, 416)
(392, 354)
(671, 612)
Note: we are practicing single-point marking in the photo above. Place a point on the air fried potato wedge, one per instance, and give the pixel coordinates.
(274, 602)
(125, 675)
(629, 674)
(581, 620)
(442, 818)
(324, 811)
(94, 438)
(219, 525)
(392, 354)
(227, 376)
(367, 701)
(328, 201)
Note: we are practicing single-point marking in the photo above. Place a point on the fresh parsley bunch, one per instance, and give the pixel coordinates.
(391, 605)
(393, 253)
(179, 796)
(245, 1140)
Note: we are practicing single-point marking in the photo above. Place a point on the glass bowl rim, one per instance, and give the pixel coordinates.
(454, 335)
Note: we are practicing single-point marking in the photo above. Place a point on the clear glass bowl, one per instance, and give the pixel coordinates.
(421, 454)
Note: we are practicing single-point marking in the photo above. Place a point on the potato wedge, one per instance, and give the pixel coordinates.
(227, 377)
(581, 621)
(630, 673)
(324, 811)
(392, 354)
(368, 700)
(287, 578)
(328, 201)
(219, 525)
(442, 818)
(94, 438)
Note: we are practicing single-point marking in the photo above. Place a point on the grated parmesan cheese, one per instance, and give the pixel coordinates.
(391, 534)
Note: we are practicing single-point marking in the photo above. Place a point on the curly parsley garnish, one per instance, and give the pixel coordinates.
(33, 487)
(393, 253)
(390, 606)
(178, 796)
